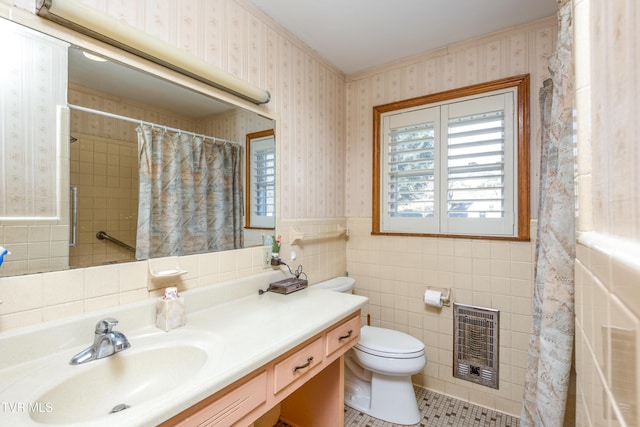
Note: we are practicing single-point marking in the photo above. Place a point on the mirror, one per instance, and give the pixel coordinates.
(103, 162)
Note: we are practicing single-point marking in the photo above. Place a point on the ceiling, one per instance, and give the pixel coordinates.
(355, 35)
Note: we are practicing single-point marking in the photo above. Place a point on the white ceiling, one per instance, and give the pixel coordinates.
(355, 35)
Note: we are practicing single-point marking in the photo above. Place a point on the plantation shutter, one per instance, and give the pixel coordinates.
(479, 166)
(411, 170)
(455, 163)
(411, 183)
(263, 183)
(475, 166)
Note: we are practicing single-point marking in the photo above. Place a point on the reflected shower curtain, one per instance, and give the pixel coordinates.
(191, 198)
(551, 340)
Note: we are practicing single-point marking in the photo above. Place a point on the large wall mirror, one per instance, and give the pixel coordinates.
(103, 170)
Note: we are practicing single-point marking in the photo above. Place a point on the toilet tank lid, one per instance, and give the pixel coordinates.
(339, 284)
(388, 341)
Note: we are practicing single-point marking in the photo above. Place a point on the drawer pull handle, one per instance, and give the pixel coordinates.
(306, 365)
(344, 337)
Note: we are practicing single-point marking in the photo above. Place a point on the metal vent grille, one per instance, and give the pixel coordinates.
(475, 341)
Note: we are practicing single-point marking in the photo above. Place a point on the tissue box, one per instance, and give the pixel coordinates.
(170, 313)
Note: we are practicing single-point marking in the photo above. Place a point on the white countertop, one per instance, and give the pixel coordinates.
(238, 329)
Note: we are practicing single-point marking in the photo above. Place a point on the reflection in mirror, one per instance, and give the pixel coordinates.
(103, 164)
(261, 180)
(106, 171)
(34, 225)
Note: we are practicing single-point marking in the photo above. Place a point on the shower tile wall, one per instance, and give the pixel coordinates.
(607, 48)
(105, 173)
(46, 247)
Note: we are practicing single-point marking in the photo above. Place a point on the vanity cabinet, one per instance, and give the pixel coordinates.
(307, 381)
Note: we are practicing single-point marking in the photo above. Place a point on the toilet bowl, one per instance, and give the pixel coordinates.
(378, 369)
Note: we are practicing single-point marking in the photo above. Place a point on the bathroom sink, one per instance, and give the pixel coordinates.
(121, 382)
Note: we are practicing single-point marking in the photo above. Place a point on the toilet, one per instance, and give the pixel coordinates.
(378, 369)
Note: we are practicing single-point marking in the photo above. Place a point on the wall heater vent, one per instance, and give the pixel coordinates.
(476, 333)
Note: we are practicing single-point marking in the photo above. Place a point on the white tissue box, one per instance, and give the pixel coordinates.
(170, 314)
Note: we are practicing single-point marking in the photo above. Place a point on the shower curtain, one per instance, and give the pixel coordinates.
(552, 332)
(191, 198)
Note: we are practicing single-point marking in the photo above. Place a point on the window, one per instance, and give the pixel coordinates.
(454, 163)
(261, 180)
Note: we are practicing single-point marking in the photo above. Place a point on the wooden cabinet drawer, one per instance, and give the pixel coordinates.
(232, 406)
(342, 335)
(298, 365)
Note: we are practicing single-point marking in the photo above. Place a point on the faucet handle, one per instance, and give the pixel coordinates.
(105, 326)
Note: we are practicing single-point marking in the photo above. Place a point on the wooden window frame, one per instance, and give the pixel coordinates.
(521, 83)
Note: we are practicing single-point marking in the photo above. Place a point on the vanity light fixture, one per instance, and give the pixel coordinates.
(79, 17)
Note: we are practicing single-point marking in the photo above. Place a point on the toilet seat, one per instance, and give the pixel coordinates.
(389, 343)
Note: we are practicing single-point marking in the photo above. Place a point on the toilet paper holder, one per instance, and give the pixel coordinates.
(445, 296)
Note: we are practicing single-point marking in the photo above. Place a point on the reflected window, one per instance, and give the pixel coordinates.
(261, 180)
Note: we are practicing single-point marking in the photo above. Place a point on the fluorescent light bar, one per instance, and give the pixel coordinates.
(85, 20)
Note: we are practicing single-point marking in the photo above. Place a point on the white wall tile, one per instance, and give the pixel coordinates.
(63, 287)
(61, 311)
(132, 276)
(21, 293)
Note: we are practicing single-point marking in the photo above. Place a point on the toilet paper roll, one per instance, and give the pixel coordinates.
(433, 298)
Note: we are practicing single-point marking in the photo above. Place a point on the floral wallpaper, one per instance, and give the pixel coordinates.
(519, 50)
(28, 176)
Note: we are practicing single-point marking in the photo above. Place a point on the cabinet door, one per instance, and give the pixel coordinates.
(232, 406)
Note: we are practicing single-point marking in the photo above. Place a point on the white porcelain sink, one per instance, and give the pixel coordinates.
(154, 367)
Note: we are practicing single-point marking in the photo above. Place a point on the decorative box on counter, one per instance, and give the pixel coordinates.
(170, 310)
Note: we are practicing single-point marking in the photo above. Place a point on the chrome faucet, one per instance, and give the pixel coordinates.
(105, 343)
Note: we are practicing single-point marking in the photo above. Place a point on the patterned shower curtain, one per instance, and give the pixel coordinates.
(552, 333)
(191, 198)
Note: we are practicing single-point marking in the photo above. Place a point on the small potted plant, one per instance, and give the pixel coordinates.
(275, 246)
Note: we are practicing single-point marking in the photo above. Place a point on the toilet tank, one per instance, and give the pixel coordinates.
(338, 284)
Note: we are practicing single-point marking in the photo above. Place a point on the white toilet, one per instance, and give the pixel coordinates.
(378, 369)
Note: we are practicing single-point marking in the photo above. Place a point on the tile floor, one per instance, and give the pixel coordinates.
(437, 410)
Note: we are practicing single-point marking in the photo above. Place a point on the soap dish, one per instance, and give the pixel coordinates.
(168, 273)
(165, 267)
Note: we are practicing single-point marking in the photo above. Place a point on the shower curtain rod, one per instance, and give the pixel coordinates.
(142, 122)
